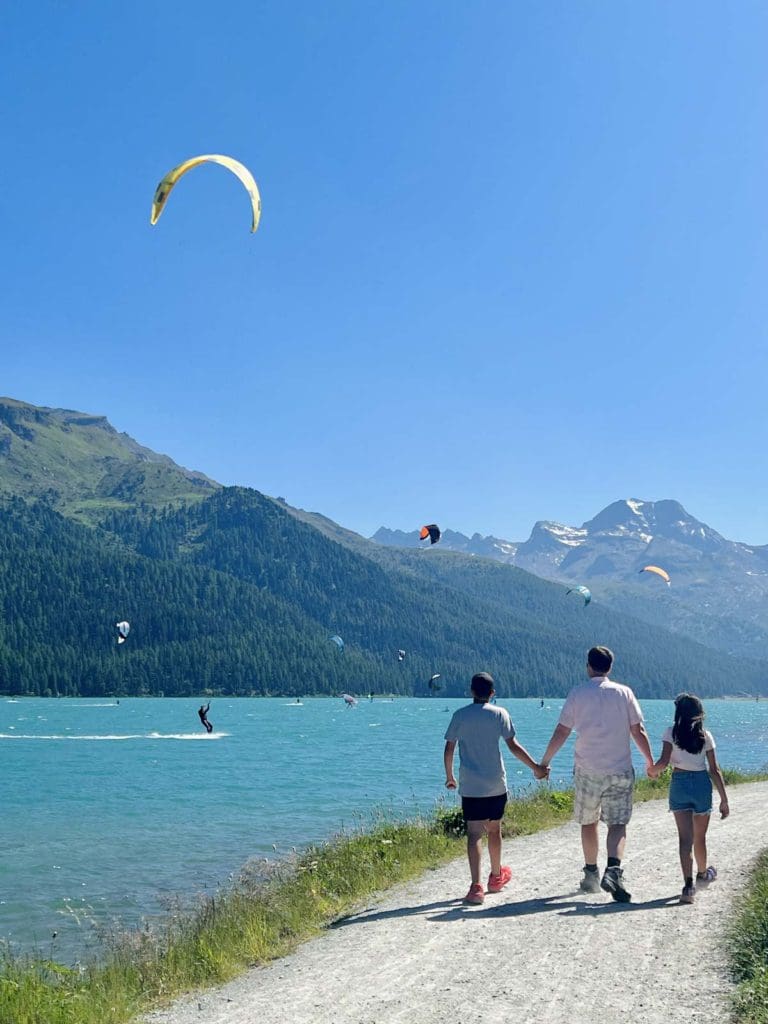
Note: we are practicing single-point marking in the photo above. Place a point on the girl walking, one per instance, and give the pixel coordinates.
(690, 749)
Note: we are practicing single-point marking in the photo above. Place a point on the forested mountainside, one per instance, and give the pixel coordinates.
(235, 594)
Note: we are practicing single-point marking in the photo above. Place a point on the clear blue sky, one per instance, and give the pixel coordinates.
(512, 265)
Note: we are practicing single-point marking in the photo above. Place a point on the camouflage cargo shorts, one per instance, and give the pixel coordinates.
(605, 798)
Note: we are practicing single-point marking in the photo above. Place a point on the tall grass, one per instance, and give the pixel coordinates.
(261, 915)
(748, 947)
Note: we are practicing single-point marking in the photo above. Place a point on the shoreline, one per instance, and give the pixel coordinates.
(544, 942)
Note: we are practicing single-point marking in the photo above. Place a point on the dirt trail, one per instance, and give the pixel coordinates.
(539, 951)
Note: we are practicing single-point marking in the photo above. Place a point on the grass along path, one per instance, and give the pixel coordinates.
(748, 947)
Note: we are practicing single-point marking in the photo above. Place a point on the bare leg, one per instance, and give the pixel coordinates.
(684, 821)
(493, 829)
(475, 832)
(700, 826)
(617, 838)
(589, 842)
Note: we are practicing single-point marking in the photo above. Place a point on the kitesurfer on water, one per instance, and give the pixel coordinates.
(203, 712)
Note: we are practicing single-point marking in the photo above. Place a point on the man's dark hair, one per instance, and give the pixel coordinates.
(482, 685)
(600, 659)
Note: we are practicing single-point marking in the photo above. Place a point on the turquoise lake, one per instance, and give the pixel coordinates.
(115, 811)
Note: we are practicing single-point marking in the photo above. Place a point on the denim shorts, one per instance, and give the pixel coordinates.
(690, 791)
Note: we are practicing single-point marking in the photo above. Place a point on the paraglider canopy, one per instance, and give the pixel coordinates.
(433, 683)
(349, 700)
(432, 531)
(123, 629)
(338, 641)
(584, 591)
(658, 572)
(240, 170)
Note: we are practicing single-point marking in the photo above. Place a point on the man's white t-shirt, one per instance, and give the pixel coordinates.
(478, 729)
(601, 713)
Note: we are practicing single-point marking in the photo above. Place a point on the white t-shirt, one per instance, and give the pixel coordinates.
(601, 712)
(478, 729)
(683, 759)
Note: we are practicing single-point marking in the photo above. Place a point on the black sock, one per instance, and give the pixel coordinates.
(689, 883)
(614, 862)
(590, 867)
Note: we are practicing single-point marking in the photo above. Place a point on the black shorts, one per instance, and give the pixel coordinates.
(484, 808)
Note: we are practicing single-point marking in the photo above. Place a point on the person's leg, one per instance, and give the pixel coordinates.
(616, 811)
(615, 842)
(700, 826)
(493, 830)
(684, 822)
(590, 842)
(475, 833)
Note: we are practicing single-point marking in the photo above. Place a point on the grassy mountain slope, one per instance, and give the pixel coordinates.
(83, 466)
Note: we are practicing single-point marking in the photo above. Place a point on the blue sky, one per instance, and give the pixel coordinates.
(512, 262)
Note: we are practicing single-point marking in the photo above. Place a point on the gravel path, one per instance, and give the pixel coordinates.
(539, 951)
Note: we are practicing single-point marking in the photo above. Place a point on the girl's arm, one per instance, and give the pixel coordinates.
(666, 752)
(717, 777)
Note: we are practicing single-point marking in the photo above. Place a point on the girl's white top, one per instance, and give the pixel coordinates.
(683, 759)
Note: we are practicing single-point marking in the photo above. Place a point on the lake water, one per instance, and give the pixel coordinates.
(113, 810)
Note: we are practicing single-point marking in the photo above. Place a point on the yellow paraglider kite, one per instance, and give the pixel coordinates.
(659, 572)
(242, 172)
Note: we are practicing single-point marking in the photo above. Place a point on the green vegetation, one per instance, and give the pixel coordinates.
(236, 595)
(748, 948)
(83, 466)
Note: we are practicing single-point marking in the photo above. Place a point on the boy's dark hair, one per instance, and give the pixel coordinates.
(600, 659)
(482, 685)
(688, 730)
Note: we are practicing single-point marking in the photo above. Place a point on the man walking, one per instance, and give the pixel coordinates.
(604, 714)
(477, 728)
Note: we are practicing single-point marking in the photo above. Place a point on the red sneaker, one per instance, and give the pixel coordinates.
(497, 882)
(475, 894)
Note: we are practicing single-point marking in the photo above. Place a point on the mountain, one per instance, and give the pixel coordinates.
(82, 466)
(719, 591)
(230, 591)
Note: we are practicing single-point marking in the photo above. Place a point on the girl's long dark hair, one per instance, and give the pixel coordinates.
(688, 730)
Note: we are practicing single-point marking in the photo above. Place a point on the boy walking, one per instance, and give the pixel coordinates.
(478, 728)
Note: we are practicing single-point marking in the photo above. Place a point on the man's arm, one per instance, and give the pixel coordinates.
(450, 781)
(655, 770)
(539, 770)
(640, 736)
(559, 736)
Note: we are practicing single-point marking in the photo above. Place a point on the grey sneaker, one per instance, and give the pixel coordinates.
(590, 881)
(613, 882)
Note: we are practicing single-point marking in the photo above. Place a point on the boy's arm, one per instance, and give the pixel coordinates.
(539, 770)
(450, 781)
(640, 736)
(559, 736)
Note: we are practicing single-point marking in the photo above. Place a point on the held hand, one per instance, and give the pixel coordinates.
(541, 771)
(450, 782)
(652, 771)
(724, 809)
